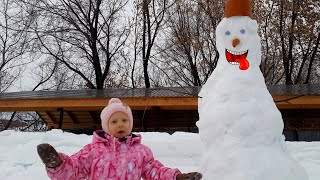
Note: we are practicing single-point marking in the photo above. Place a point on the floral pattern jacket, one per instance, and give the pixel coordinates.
(110, 158)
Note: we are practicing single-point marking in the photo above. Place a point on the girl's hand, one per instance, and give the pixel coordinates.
(189, 176)
(49, 155)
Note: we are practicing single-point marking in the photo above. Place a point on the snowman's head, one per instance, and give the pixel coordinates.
(238, 43)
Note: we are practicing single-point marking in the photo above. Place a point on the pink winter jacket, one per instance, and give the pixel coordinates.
(107, 158)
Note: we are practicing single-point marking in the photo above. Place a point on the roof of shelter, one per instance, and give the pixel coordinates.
(191, 91)
(295, 89)
(106, 93)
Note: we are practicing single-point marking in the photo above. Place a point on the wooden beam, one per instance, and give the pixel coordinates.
(81, 125)
(297, 102)
(60, 117)
(72, 117)
(93, 116)
(38, 113)
(141, 103)
(284, 98)
(51, 117)
(96, 104)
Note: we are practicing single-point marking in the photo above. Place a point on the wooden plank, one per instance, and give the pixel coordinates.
(60, 117)
(297, 102)
(83, 125)
(41, 117)
(151, 103)
(52, 118)
(306, 100)
(288, 106)
(94, 118)
(95, 104)
(87, 121)
(284, 98)
(72, 117)
(162, 102)
(80, 114)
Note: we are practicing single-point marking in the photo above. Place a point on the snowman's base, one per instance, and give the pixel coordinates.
(265, 163)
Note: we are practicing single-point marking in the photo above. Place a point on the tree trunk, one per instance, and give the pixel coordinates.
(313, 56)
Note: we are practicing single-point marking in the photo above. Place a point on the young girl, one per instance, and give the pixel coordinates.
(114, 154)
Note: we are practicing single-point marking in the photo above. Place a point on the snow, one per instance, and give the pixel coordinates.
(239, 123)
(19, 159)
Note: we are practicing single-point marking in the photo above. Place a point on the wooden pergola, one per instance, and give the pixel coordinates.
(153, 109)
(73, 109)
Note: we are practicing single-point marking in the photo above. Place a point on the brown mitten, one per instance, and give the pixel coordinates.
(49, 155)
(189, 176)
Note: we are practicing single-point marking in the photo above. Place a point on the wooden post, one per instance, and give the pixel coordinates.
(60, 117)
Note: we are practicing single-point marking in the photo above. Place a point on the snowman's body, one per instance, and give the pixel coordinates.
(240, 124)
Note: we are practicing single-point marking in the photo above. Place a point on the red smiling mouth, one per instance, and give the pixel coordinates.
(120, 132)
(233, 56)
(238, 58)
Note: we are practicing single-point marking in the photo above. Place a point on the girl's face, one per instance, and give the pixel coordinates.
(119, 125)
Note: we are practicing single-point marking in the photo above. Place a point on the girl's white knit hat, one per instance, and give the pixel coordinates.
(114, 105)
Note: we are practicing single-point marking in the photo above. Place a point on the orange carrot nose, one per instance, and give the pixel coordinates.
(235, 42)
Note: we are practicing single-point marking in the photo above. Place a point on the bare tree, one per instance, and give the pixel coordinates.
(190, 53)
(271, 66)
(150, 16)
(289, 33)
(14, 42)
(85, 36)
(136, 41)
(214, 12)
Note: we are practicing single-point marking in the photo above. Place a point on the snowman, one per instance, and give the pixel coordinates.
(240, 125)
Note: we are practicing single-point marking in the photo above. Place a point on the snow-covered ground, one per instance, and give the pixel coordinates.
(19, 159)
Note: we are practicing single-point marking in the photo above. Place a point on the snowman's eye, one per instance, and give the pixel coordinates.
(228, 33)
(242, 31)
